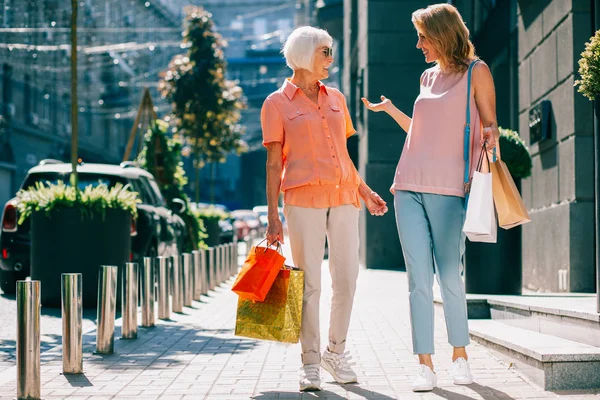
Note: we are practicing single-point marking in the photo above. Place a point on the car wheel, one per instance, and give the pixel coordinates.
(8, 281)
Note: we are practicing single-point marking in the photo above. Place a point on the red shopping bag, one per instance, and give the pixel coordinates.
(258, 272)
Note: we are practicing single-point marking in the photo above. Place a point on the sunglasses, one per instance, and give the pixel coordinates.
(328, 51)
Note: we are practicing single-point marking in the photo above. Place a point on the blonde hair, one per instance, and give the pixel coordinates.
(299, 48)
(446, 31)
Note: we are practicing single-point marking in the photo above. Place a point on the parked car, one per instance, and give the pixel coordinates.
(158, 230)
(263, 216)
(246, 223)
(262, 212)
(225, 225)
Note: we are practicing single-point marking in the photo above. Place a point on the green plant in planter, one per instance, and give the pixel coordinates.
(161, 156)
(515, 154)
(210, 218)
(92, 200)
(589, 68)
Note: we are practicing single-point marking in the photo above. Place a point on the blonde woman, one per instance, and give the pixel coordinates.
(305, 125)
(429, 185)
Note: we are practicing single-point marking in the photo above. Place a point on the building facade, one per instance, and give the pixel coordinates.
(122, 48)
(532, 48)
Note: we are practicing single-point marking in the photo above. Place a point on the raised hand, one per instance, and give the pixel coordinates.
(383, 106)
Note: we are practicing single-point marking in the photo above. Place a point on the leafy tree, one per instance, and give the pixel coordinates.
(161, 156)
(206, 106)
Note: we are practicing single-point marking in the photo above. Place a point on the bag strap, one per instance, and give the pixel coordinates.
(467, 138)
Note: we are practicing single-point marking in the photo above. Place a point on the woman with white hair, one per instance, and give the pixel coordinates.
(305, 125)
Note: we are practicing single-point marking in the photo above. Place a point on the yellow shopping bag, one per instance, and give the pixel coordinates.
(279, 317)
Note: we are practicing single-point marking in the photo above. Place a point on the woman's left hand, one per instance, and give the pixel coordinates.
(375, 204)
(490, 137)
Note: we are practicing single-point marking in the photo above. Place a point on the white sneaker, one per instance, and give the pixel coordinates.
(461, 372)
(339, 367)
(426, 380)
(310, 377)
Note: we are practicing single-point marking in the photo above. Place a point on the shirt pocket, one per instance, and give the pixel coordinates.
(297, 124)
(336, 121)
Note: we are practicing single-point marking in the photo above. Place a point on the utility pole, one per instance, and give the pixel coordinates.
(74, 108)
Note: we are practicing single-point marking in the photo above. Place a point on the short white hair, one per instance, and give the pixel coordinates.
(299, 48)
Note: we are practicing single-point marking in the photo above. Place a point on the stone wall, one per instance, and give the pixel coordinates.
(559, 242)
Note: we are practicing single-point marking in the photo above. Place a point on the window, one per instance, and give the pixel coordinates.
(27, 96)
(84, 179)
(153, 197)
(156, 191)
(138, 186)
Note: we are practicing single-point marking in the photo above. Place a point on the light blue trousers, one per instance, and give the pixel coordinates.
(430, 230)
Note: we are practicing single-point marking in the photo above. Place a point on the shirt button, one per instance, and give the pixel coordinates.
(328, 137)
(331, 147)
(323, 117)
(297, 112)
(333, 156)
(337, 186)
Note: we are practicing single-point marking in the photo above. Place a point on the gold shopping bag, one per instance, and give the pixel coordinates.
(509, 205)
(279, 317)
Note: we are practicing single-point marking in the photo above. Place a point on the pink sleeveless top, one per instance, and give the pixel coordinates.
(432, 159)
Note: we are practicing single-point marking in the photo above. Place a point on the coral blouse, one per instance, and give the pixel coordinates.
(317, 170)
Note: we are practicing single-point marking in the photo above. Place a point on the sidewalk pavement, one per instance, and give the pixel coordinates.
(196, 356)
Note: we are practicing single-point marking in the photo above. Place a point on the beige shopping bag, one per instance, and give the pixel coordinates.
(510, 208)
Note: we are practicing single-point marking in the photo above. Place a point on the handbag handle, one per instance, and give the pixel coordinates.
(483, 153)
(467, 138)
(277, 248)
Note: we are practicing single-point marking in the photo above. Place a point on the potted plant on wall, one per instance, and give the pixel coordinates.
(76, 231)
(496, 268)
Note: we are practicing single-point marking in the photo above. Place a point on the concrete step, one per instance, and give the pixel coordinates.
(551, 362)
(568, 317)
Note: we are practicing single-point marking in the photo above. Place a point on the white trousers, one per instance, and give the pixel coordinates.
(307, 230)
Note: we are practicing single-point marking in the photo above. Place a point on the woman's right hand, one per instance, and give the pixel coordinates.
(274, 231)
(383, 106)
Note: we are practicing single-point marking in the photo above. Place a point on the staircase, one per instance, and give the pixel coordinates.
(553, 340)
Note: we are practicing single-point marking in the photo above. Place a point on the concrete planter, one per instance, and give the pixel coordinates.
(68, 242)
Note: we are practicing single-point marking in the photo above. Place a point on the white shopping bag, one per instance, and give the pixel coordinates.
(480, 222)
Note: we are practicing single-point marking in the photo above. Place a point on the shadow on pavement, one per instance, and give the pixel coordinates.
(166, 345)
(324, 394)
(78, 380)
(486, 393)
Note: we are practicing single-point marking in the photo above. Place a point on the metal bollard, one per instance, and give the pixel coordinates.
(147, 294)
(235, 257)
(164, 311)
(220, 276)
(107, 303)
(231, 259)
(211, 268)
(226, 267)
(72, 320)
(129, 301)
(28, 340)
(188, 290)
(217, 265)
(198, 284)
(176, 284)
(204, 270)
(225, 262)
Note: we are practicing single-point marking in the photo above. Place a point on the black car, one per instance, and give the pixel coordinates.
(157, 231)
